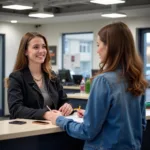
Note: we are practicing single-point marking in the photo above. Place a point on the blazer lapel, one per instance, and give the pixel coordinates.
(48, 85)
(29, 79)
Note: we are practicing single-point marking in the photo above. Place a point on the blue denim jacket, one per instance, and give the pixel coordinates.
(114, 118)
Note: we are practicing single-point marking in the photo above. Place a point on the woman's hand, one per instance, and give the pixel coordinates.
(80, 112)
(52, 115)
(46, 115)
(66, 109)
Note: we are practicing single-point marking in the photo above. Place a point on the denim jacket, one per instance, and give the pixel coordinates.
(114, 118)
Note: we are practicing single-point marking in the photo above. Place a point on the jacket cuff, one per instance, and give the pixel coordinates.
(60, 121)
(40, 113)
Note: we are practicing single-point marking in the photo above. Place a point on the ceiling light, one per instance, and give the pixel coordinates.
(13, 21)
(114, 15)
(41, 14)
(107, 2)
(17, 7)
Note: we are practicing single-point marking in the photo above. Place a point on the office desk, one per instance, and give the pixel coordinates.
(71, 89)
(84, 97)
(78, 99)
(31, 136)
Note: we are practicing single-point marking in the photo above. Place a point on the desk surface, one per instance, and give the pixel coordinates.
(11, 131)
(85, 97)
(72, 87)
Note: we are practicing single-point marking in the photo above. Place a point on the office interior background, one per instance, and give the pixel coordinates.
(73, 30)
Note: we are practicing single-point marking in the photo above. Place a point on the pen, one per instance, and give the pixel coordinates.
(48, 108)
(75, 109)
(79, 107)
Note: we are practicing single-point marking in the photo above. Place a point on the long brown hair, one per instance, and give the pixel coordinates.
(122, 53)
(22, 60)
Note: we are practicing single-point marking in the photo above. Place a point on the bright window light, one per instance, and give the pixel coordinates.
(17, 7)
(41, 15)
(114, 15)
(107, 2)
(13, 21)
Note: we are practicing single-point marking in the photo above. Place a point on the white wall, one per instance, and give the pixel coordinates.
(13, 34)
(53, 33)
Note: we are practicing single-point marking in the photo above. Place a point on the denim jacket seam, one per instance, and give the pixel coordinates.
(107, 82)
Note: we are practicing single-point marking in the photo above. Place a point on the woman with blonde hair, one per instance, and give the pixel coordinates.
(114, 118)
(32, 86)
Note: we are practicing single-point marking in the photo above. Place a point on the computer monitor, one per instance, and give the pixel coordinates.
(64, 76)
(94, 72)
(77, 79)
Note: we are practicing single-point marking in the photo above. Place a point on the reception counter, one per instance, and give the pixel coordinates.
(31, 136)
(12, 131)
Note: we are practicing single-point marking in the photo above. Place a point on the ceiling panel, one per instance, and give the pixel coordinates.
(70, 10)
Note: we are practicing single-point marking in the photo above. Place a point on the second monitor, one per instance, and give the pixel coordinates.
(94, 72)
(77, 79)
(64, 76)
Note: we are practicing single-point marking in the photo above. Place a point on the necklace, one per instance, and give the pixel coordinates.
(37, 79)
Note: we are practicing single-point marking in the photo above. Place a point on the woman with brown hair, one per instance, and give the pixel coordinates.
(32, 86)
(114, 118)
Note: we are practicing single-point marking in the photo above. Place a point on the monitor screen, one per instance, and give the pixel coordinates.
(77, 79)
(64, 76)
(94, 72)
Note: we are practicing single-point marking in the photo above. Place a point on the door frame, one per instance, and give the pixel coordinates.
(3, 75)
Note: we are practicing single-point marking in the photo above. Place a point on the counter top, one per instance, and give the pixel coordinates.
(11, 131)
(78, 96)
(72, 87)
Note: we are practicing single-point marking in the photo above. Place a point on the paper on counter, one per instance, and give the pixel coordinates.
(75, 118)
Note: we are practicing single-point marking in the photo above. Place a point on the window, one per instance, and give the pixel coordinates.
(66, 46)
(85, 47)
(144, 48)
(78, 46)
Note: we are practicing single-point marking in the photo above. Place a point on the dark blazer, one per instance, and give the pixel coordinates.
(25, 99)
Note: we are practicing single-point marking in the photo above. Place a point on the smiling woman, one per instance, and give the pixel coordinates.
(32, 86)
(36, 51)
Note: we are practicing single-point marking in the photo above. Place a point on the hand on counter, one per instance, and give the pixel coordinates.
(47, 115)
(80, 112)
(66, 109)
(53, 116)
